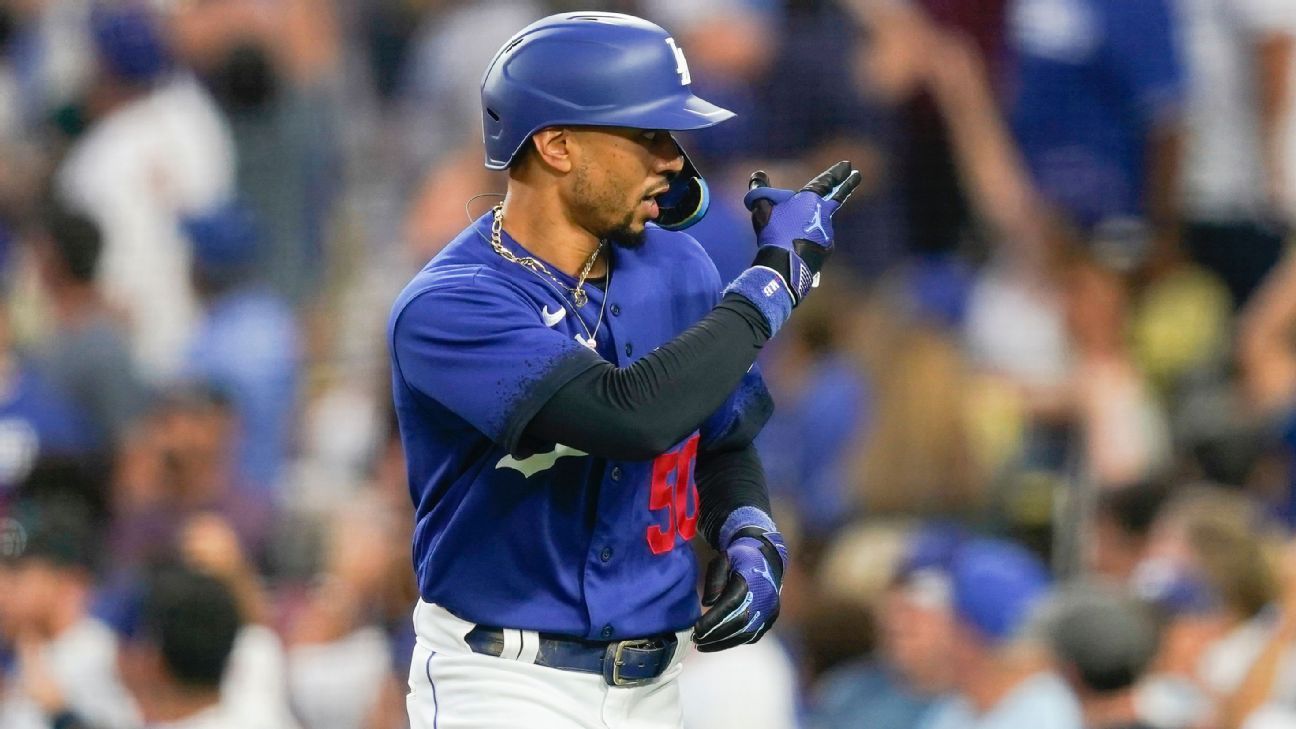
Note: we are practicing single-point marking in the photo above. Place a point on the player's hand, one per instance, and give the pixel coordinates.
(794, 230)
(742, 590)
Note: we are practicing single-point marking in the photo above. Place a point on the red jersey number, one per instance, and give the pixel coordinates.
(674, 490)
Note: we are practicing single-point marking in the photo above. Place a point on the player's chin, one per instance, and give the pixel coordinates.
(630, 234)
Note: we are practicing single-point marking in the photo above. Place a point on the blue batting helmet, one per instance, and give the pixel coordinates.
(595, 69)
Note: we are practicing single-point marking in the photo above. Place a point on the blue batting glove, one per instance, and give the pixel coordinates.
(795, 236)
(743, 585)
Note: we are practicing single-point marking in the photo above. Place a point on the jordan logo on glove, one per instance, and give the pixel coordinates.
(816, 223)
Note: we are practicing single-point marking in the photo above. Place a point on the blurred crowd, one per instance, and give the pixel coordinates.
(1035, 440)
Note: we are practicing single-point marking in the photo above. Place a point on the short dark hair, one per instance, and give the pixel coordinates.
(77, 240)
(1134, 507)
(54, 532)
(193, 619)
(1106, 637)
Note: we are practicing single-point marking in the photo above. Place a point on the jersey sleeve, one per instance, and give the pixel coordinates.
(480, 349)
(737, 422)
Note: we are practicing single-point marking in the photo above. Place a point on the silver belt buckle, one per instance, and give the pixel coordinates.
(612, 662)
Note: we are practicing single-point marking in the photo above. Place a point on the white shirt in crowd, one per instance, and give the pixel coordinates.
(138, 172)
(254, 693)
(1039, 702)
(214, 717)
(1016, 327)
(336, 685)
(82, 661)
(1224, 172)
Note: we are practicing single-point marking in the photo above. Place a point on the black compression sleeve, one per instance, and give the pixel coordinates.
(727, 480)
(640, 411)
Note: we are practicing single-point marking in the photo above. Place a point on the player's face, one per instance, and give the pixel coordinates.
(616, 178)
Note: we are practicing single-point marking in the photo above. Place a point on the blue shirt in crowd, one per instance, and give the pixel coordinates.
(1094, 77)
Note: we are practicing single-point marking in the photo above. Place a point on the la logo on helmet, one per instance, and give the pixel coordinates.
(681, 64)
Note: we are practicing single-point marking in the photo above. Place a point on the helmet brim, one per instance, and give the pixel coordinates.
(672, 114)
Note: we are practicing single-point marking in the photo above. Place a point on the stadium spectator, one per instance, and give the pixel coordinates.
(254, 689)
(66, 669)
(823, 118)
(1206, 567)
(1122, 521)
(45, 61)
(180, 463)
(341, 654)
(1097, 112)
(1239, 55)
(1076, 371)
(273, 67)
(42, 430)
(246, 344)
(897, 685)
(1267, 362)
(1261, 701)
(805, 447)
(1103, 642)
(87, 353)
(156, 150)
(917, 455)
(178, 652)
(1000, 671)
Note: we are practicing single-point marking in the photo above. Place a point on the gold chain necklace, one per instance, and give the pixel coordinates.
(579, 297)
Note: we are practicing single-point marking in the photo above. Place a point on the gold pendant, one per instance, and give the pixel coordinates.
(580, 298)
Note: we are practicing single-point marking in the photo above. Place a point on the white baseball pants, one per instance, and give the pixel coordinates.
(451, 687)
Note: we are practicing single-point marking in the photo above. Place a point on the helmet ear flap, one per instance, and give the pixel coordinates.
(687, 199)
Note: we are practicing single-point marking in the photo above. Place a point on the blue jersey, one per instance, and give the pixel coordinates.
(1093, 77)
(521, 534)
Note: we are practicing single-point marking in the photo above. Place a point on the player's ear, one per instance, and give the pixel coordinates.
(553, 147)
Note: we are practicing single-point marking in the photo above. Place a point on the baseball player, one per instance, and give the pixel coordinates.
(577, 396)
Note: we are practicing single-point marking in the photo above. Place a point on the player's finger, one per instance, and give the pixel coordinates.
(842, 192)
(723, 645)
(761, 207)
(765, 627)
(727, 616)
(826, 181)
(765, 196)
(716, 577)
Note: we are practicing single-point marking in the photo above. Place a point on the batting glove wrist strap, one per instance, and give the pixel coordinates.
(744, 517)
(790, 267)
(768, 291)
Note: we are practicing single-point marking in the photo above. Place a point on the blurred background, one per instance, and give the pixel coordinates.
(1035, 446)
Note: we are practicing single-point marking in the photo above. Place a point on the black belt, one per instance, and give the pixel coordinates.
(621, 663)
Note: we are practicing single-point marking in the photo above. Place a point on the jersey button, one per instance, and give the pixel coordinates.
(616, 310)
(629, 349)
(607, 631)
(606, 554)
(616, 473)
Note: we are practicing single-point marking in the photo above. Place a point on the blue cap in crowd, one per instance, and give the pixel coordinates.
(923, 569)
(1174, 588)
(931, 548)
(129, 40)
(996, 585)
(224, 238)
